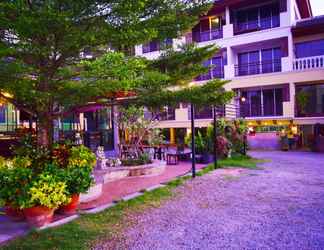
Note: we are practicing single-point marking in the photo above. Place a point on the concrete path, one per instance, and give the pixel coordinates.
(279, 207)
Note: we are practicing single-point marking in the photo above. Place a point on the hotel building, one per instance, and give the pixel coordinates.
(273, 54)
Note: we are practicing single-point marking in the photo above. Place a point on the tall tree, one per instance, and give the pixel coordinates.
(41, 42)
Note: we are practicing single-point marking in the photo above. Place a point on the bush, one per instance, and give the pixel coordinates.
(46, 190)
(49, 179)
(141, 160)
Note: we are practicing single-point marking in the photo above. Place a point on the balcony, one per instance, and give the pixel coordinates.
(257, 68)
(256, 25)
(215, 73)
(207, 35)
(306, 63)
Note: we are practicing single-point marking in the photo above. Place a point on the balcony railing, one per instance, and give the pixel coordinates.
(315, 62)
(255, 25)
(217, 72)
(256, 68)
(207, 35)
(315, 110)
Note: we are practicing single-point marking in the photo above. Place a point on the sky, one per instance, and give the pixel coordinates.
(317, 7)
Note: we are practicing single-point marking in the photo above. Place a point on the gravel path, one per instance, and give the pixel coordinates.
(279, 207)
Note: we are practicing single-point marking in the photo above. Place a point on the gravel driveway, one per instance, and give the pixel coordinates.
(279, 207)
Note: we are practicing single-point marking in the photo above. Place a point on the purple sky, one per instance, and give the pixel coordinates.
(318, 7)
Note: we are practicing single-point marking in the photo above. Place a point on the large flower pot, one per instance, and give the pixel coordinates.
(71, 207)
(39, 216)
(14, 214)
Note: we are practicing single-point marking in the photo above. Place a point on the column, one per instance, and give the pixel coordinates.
(172, 136)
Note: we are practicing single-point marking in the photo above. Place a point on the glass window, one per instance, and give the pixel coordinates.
(267, 55)
(263, 17)
(215, 23)
(279, 94)
(313, 106)
(3, 114)
(253, 18)
(254, 62)
(309, 49)
(262, 102)
(255, 103)
(204, 25)
(217, 71)
(243, 64)
(268, 102)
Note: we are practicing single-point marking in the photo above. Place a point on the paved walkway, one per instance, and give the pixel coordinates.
(279, 207)
(111, 191)
(117, 189)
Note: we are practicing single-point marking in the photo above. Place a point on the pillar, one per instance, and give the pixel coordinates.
(172, 136)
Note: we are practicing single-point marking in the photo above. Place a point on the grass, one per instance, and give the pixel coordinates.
(241, 161)
(88, 230)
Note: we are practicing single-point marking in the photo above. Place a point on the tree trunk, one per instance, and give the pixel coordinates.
(45, 131)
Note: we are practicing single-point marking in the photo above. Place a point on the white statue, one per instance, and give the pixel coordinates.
(101, 158)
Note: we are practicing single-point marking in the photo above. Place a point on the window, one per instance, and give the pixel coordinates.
(157, 45)
(260, 18)
(3, 113)
(208, 29)
(309, 49)
(314, 104)
(257, 62)
(217, 69)
(262, 102)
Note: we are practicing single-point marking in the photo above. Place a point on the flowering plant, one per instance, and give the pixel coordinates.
(114, 162)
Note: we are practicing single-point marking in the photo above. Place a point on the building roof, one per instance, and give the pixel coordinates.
(305, 8)
(309, 26)
(303, 5)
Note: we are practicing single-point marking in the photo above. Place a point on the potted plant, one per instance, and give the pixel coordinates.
(45, 193)
(78, 176)
(13, 179)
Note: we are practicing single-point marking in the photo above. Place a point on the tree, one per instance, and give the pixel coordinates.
(182, 66)
(41, 42)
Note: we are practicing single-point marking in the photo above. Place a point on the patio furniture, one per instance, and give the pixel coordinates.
(173, 156)
(159, 153)
(172, 159)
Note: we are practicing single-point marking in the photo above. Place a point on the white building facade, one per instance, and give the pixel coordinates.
(273, 54)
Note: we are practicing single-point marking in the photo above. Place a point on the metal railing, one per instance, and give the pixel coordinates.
(214, 73)
(255, 25)
(314, 62)
(207, 35)
(256, 68)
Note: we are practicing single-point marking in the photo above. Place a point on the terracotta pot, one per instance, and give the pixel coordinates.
(71, 207)
(39, 216)
(14, 214)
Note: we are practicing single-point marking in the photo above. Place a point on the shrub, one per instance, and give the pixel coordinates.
(141, 160)
(46, 190)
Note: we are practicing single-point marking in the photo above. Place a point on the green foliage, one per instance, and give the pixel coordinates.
(201, 145)
(302, 99)
(81, 156)
(140, 131)
(27, 182)
(141, 160)
(15, 183)
(40, 50)
(46, 190)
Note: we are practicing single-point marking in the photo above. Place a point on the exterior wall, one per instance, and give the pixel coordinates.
(233, 44)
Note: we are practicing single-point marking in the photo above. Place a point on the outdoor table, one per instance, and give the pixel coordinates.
(173, 156)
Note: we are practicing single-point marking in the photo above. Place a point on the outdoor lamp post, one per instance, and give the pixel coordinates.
(243, 102)
(215, 138)
(193, 161)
